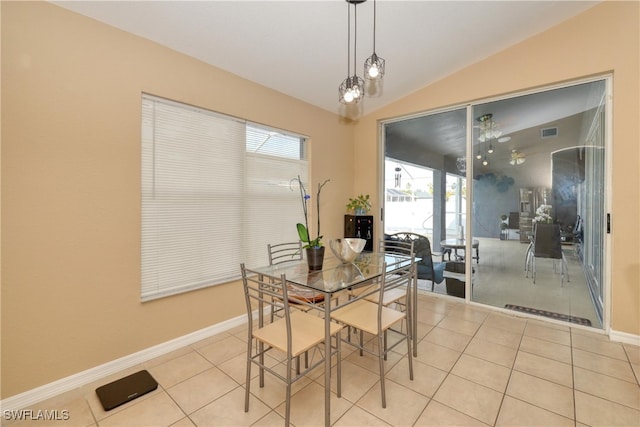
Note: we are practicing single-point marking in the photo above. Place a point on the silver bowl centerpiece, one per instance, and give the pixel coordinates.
(347, 249)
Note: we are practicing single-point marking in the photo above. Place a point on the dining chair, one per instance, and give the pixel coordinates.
(283, 252)
(426, 267)
(304, 299)
(546, 243)
(298, 297)
(295, 333)
(377, 319)
(397, 295)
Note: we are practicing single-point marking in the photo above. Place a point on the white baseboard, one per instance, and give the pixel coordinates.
(624, 337)
(23, 400)
(63, 385)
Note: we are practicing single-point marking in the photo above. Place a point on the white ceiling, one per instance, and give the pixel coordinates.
(300, 47)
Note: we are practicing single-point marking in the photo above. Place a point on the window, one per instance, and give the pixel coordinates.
(215, 191)
(455, 205)
(409, 204)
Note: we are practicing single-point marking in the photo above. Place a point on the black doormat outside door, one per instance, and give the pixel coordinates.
(550, 314)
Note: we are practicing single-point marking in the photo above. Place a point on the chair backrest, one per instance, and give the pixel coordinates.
(397, 246)
(262, 293)
(398, 274)
(421, 246)
(425, 267)
(283, 252)
(405, 248)
(546, 241)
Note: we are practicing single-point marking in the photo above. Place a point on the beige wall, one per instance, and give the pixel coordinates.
(70, 173)
(71, 194)
(604, 39)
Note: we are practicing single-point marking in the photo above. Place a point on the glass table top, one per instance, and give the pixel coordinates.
(335, 275)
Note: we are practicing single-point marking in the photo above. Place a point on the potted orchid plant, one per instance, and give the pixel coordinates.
(313, 246)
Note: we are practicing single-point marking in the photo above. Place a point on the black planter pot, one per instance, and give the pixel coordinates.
(315, 258)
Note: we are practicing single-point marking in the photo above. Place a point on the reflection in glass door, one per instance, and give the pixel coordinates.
(529, 164)
(540, 159)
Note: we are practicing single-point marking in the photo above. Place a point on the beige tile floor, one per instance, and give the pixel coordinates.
(474, 367)
(500, 279)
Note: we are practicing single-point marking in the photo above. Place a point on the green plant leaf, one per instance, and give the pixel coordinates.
(302, 232)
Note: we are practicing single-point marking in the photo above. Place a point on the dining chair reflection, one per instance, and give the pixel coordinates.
(546, 243)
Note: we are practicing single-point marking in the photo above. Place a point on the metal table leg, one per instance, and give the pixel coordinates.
(327, 359)
(414, 307)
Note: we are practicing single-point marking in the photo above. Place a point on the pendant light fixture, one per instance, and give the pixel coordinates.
(488, 133)
(488, 128)
(351, 91)
(374, 65)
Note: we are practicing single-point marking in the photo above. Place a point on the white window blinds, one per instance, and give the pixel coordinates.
(215, 191)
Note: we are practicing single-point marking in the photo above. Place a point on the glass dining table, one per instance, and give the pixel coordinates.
(334, 278)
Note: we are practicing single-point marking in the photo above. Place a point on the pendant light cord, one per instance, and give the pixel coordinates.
(355, 36)
(374, 26)
(348, 40)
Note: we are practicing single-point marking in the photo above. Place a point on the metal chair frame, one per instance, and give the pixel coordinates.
(377, 319)
(295, 333)
(283, 252)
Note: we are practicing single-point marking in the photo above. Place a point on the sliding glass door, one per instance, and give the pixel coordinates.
(526, 175)
(540, 159)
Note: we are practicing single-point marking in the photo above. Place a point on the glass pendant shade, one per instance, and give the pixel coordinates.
(374, 67)
(351, 90)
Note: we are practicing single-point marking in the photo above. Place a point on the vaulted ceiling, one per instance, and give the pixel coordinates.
(300, 47)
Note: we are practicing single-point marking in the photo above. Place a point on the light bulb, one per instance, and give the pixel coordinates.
(348, 96)
(373, 71)
(479, 155)
(490, 150)
(485, 162)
